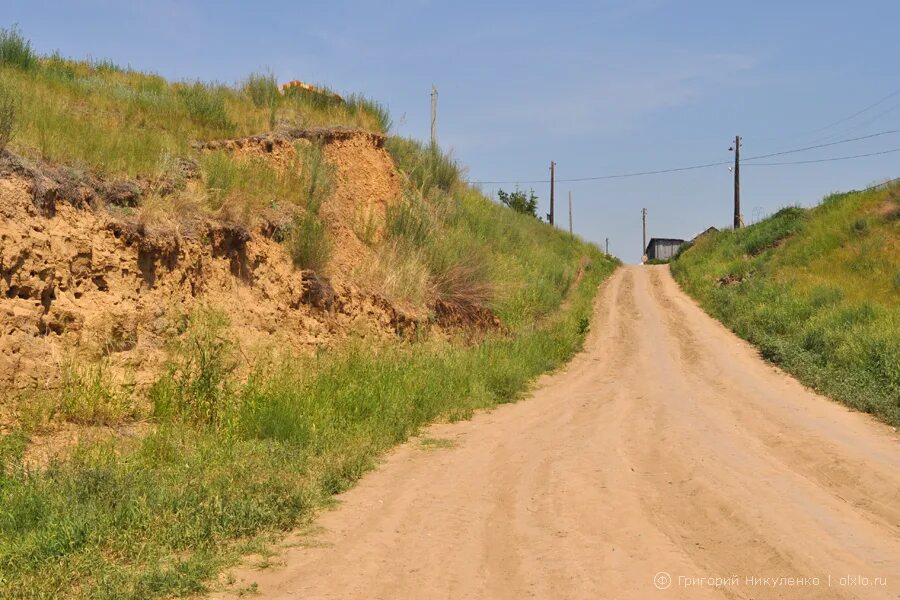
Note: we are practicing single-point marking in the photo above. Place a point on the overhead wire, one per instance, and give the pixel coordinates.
(702, 166)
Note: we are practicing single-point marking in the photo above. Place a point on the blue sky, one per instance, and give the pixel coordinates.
(605, 87)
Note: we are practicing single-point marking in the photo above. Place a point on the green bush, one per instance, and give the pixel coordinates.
(520, 202)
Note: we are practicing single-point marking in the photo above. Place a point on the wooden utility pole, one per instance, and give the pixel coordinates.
(570, 212)
(737, 182)
(644, 219)
(434, 95)
(552, 175)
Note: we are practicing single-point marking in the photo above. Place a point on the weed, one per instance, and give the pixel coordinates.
(433, 443)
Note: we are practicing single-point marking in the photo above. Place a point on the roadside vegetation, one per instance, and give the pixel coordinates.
(238, 448)
(818, 291)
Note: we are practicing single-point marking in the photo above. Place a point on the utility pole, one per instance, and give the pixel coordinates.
(607, 246)
(434, 95)
(552, 175)
(644, 219)
(737, 182)
(570, 213)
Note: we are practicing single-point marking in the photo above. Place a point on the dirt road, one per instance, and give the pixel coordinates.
(667, 453)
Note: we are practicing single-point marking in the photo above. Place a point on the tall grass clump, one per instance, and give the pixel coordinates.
(89, 396)
(262, 89)
(379, 113)
(814, 291)
(197, 385)
(308, 242)
(8, 109)
(246, 185)
(427, 167)
(205, 104)
(15, 50)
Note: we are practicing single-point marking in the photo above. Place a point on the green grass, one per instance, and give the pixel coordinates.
(161, 517)
(816, 290)
(120, 122)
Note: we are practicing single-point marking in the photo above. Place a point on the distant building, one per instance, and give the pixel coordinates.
(662, 248)
(701, 234)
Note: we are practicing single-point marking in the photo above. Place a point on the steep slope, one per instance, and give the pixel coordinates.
(818, 291)
(81, 282)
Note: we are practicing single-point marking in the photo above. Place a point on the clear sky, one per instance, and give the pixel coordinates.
(605, 87)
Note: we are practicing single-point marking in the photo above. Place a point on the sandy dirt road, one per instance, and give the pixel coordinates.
(666, 448)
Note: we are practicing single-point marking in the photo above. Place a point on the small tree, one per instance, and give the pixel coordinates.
(520, 202)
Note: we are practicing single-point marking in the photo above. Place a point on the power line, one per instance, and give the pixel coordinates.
(859, 126)
(692, 167)
(865, 109)
(821, 160)
(617, 176)
(856, 139)
(854, 115)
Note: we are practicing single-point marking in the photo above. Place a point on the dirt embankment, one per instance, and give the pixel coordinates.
(76, 280)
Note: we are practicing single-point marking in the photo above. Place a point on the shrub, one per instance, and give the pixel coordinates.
(519, 201)
(15, 50)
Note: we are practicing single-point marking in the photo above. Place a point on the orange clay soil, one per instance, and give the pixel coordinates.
(77, 281)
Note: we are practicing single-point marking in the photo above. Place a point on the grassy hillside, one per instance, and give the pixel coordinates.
(818, 291)
(112, 120)
(229, 460)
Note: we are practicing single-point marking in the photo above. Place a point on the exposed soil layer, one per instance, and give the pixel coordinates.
(77, 280)
(665, 458)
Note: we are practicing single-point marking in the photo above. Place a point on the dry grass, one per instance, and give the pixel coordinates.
(400, 273)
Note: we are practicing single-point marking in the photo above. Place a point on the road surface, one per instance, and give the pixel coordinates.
(665, 461)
